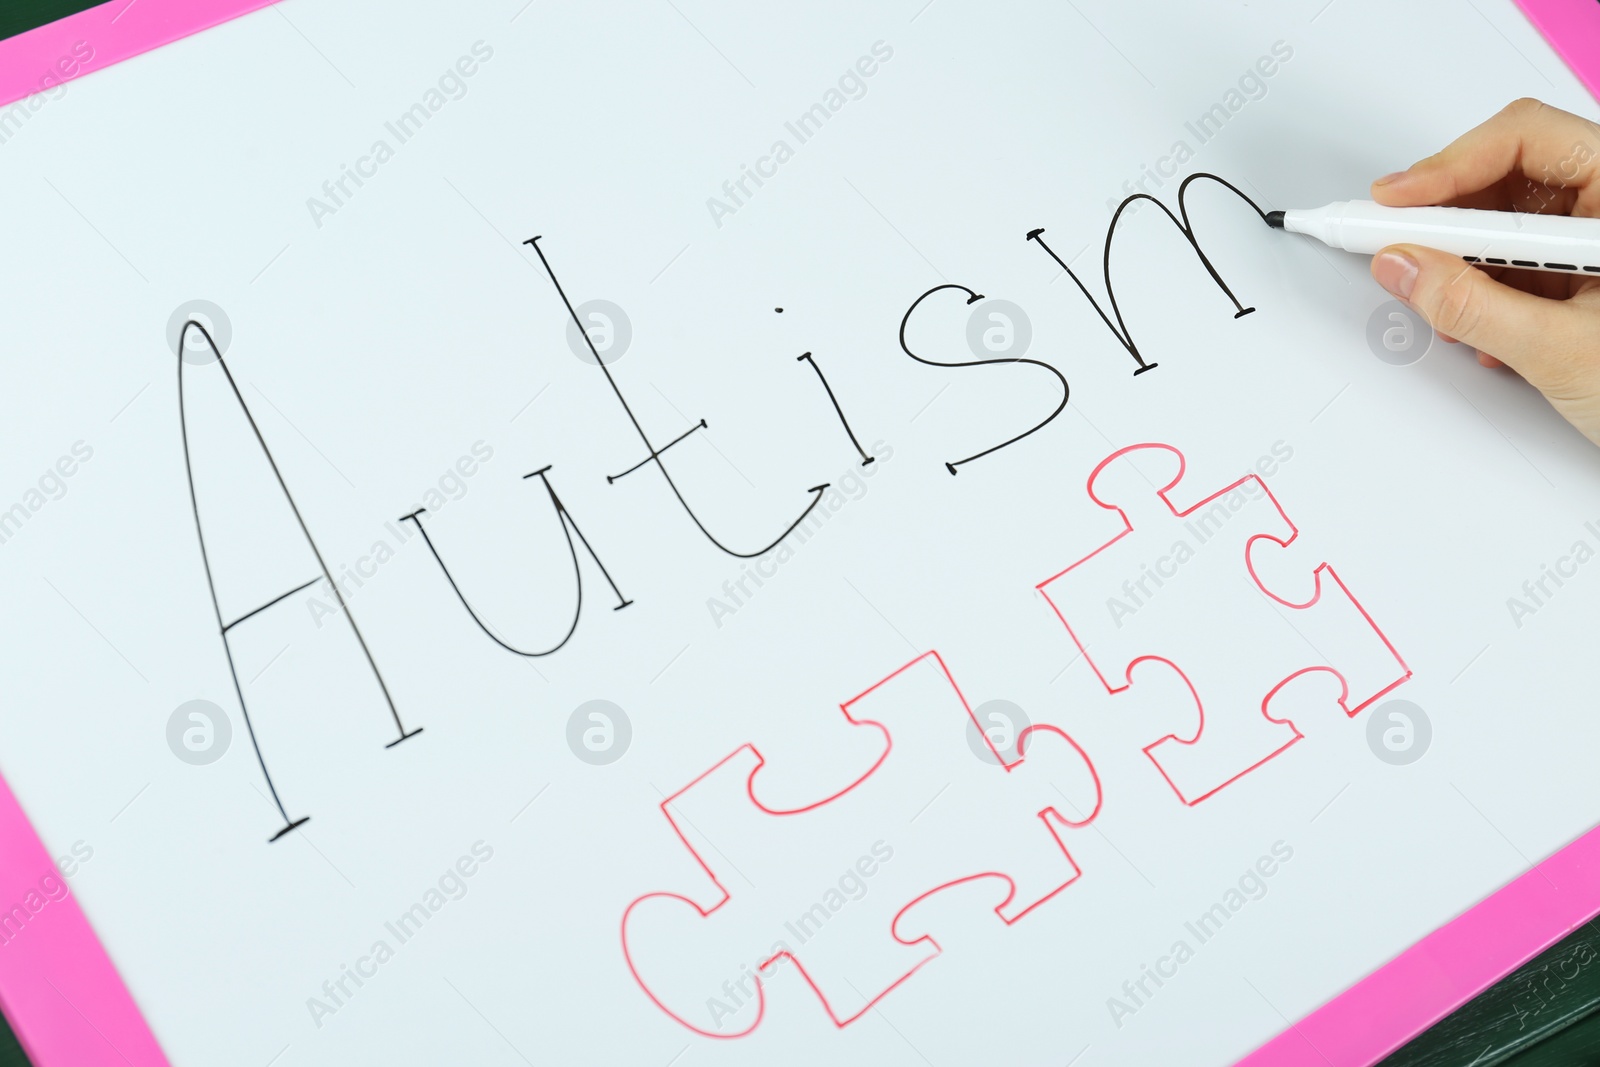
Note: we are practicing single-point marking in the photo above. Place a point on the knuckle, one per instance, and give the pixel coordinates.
(1457, 307)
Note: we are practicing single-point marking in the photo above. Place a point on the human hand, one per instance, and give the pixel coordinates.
(1532, 158)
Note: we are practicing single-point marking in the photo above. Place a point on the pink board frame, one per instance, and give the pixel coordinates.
(1447, 968)
(1573, 30)
(70, 1008)
(46, 57)
(60, 992)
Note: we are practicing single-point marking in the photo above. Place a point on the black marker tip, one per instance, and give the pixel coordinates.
(1034, 233)
(1275, 219)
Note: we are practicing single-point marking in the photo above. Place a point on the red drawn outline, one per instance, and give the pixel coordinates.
(1045, 815)
(1323, 568)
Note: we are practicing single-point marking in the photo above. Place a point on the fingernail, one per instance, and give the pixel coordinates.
(1387, 178)
(1396, 272)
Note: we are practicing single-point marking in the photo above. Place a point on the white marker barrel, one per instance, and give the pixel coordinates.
(1493, 238)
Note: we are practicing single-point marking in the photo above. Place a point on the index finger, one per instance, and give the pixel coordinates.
(1528, 138)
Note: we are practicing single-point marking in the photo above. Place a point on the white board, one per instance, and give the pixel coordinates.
(407, 343)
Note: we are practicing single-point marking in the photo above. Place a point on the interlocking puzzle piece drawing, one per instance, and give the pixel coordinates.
(829, 886)
(1181, 589)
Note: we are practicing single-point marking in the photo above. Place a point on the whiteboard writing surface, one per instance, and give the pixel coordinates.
(742, 676)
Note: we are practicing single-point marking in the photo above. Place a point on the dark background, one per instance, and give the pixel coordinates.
(19, 15)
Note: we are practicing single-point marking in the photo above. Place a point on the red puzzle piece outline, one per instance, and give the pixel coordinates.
(927, 939)
(1322, 568)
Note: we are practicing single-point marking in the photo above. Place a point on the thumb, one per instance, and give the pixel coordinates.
(1463, 302)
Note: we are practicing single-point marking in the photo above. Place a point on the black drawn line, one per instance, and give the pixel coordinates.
(973, 298)
(655, 453)
(1119, 328)
(568, 527)
(805, 357)
(734, 467)
(274, 600)
(205, 558)
(611, 478)
(309, 442)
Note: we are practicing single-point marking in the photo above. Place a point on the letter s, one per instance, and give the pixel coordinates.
(1015, 338)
